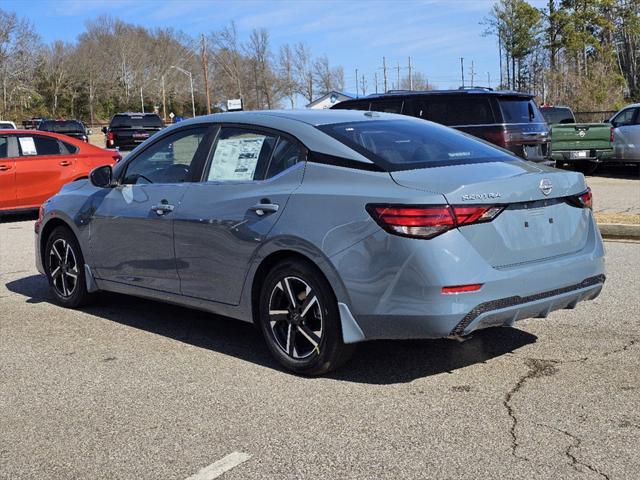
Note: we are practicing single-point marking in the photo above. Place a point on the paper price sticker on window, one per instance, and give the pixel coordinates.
(236, 158)
(27, 146)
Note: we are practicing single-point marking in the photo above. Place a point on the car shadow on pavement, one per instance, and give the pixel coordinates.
(629, 172)
(378, 362)
(18, 217)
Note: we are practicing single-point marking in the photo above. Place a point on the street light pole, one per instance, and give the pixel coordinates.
(188, 73)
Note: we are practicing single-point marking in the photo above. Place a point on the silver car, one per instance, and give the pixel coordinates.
(325, 229)
(625, 134)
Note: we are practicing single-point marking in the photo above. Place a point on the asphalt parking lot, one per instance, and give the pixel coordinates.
(132, 389)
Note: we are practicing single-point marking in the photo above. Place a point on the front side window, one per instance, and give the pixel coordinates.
(240, 155)
(169, 160)
(624, 118)
(4, 147)
(409, 144)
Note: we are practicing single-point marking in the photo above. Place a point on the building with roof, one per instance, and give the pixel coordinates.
(328, 100)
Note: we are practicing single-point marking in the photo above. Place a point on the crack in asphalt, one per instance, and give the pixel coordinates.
(575, 444)
(537, 368)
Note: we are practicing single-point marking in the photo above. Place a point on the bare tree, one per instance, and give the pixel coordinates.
(304, 71)
(287, 74)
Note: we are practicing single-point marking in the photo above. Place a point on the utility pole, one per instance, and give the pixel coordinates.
(398, 81)
(375, 78)
(141, 100)
(357, 89)
(410, 76)
(473, 73)
(364, 86)
(384, 71)
(500, 57)
(462, 70)
(205, 68)
(488, 80)
(164, 102)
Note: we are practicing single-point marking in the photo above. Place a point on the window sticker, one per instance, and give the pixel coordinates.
(236, 158)
(27, 146)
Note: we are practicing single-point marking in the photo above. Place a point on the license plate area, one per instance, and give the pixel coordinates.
(577, 154)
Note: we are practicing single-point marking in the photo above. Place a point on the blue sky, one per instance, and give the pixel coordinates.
(354, 34)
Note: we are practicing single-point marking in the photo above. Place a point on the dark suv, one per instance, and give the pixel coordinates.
(127, 130)
(71, 128)
(510, 120)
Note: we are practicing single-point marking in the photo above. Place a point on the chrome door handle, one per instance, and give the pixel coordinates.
(163, 208)
(264, 208)
(5, 167)
(65, 163)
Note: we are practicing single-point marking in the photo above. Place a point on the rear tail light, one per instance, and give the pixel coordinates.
(586, 199)
(117, 157)
(110, 139)
(499, 138)
(582, 200)
(430, 220)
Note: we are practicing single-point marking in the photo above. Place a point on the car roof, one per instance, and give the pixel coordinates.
(136, 114)
(64, 138)
(461, 91)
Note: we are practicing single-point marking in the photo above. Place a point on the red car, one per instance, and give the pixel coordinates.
(35, 165)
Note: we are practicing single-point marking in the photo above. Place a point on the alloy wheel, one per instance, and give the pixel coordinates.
(295, 318)
(63, 268)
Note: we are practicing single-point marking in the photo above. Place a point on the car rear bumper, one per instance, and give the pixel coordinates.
(401, 301)
(592, 156)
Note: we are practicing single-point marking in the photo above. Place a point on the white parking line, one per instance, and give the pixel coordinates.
(223, 465)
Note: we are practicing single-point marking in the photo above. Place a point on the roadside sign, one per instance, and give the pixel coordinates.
(234, 104)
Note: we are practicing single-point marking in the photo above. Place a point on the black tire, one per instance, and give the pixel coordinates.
(62, 261)
(321, 321)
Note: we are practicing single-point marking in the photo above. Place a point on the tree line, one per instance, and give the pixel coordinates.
(116, 66)
(581, 53)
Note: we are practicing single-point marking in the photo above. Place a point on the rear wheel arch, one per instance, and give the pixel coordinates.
(267, 264)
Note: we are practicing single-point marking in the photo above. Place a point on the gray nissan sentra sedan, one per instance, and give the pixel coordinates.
(327, 228)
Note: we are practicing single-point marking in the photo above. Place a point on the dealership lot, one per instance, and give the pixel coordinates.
(134, 389)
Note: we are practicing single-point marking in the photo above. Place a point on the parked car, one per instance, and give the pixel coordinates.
(35, 165)
(510, 120)
(71, 128)
(581, 146)
(625, 134)
(327, 228)
(6, 124)
(128, 130)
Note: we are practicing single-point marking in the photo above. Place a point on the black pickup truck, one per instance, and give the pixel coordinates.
(127, 130)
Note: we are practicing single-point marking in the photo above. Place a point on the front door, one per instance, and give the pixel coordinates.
(132, 227)
(246, 186)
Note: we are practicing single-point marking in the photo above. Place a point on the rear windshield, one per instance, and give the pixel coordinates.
(136, 121)
(65, 126)
(519, 110)
(409, 144)
(557, 115)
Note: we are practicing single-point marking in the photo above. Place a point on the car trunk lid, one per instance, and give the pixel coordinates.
(537, 223)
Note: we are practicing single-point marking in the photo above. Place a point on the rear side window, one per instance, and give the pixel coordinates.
(286, 154)
(389, 106)
(39, 145)
(408, 144)
(361, 105)
(519, 110)
(64, 126)
(136, 121)
(454, 110)
(625, 117)
(71, 149)
(240, 155)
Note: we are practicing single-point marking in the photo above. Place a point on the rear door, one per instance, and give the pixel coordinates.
(132, 227)
(627, 134)
(8, 154)
(226, 217)
(44, 166)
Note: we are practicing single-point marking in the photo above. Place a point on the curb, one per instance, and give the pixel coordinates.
(619, 230)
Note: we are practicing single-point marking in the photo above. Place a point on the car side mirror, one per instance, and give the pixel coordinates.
(104, 130)
(101, 177)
